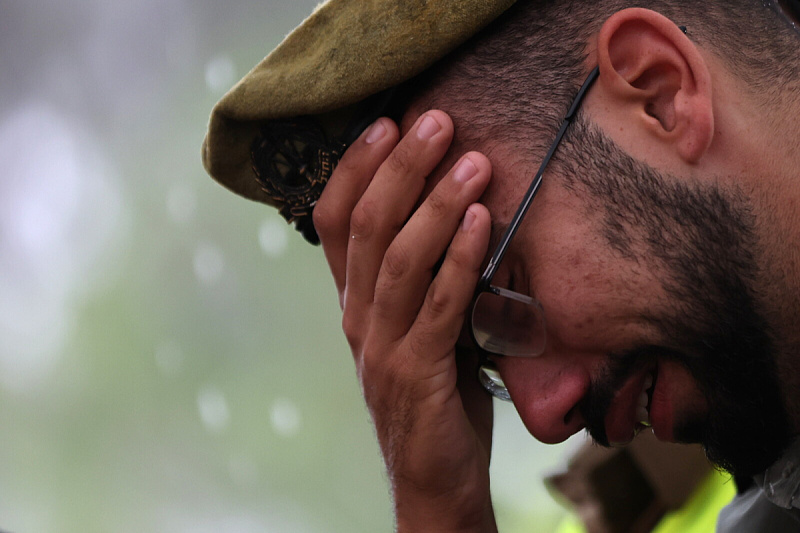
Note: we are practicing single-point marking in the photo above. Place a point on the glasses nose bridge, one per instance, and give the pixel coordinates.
(492, 382)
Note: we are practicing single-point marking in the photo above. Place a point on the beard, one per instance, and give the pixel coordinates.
(701, 241)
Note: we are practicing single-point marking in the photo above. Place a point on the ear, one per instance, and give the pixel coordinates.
(654, 71)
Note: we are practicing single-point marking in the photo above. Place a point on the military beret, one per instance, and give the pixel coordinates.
(277, 135)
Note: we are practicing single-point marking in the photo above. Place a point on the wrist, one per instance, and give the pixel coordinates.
(487, 525)
(430, 516)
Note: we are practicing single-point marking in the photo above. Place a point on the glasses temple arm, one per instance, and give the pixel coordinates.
(497, 257)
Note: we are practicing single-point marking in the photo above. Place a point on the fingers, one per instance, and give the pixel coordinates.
(438, 323)
(345, 188)
(389, 200)
(365, 222)
(408, 263)
(476, 401)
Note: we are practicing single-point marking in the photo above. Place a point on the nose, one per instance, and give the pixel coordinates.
(546, 393)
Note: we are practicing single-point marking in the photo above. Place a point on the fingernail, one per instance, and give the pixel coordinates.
(428, 128)
(465, 171)
(376, 132)
(469, 218)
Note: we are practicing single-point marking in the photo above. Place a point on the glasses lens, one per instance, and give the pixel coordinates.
(492, 382)
(508, 323)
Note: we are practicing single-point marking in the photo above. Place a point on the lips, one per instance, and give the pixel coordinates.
(661, 408)
(631, 409)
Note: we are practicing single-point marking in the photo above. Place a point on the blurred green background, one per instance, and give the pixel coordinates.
(170, 355)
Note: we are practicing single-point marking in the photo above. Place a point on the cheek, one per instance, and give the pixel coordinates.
(593, 305)
(592, 297)
(684, 390)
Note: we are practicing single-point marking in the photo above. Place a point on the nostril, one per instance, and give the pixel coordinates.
(574, 418)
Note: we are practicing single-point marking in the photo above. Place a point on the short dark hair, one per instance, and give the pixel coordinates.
(521, 72)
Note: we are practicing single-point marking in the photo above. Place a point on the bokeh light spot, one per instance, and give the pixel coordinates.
(220, 74)
(181, 203)
(213, 408)
(273, 237)
(209, 264)
(60, 211)
(285, 417)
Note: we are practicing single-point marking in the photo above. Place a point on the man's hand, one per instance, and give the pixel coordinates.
(403, 319)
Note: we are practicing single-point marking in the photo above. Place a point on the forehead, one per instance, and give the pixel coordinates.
(511, 175)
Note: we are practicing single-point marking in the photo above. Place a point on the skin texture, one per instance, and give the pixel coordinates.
(400, 199)
(402, 324)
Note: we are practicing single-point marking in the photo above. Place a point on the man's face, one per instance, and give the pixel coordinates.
(648, 286)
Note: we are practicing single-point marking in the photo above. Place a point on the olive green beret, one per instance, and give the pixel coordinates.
(277, 135)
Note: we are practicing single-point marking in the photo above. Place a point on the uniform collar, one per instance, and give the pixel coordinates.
(781, 481)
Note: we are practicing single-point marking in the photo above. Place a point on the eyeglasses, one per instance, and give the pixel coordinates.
(504, 322)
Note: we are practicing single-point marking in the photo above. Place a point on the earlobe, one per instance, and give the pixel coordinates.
(660, 78)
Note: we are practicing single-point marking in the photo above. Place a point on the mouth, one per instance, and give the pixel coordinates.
(630, 410)
(645, 399)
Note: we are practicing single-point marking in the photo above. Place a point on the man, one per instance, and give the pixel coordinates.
(654, 277)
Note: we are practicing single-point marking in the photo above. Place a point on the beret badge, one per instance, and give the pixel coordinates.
(292, 162)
